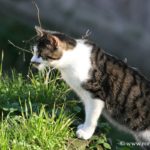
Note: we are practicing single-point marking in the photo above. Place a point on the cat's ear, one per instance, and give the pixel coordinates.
(55, 40)
(40, 32)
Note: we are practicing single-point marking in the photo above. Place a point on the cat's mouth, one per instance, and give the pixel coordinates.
(35, 64)
(39, 66)
(52, 58)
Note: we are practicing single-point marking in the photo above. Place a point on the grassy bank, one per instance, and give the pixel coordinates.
(35, 131)
(39, 112)
(28, 117)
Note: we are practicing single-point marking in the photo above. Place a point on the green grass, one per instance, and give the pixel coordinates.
(29, 119)
(36, 112)
(35, 132)
(34, 88)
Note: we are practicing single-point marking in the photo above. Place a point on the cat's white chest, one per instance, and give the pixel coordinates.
(75, 77)
(75, 65)
(69, 76)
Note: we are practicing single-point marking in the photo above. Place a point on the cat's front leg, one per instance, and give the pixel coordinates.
(93, 109)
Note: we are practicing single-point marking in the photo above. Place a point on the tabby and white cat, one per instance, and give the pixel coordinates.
(104, 83)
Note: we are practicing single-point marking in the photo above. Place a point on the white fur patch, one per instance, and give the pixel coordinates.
(75, 66)
(35, 49)
(36, 59)
(93, 110)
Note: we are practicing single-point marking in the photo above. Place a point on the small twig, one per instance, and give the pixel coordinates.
(22, 49)
(87, 34)
(38, 12)
(27, 41)
(125, 60)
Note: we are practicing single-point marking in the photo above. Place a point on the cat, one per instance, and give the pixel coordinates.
(104, 83)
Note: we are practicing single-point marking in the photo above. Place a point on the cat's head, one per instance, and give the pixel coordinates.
(50, 47)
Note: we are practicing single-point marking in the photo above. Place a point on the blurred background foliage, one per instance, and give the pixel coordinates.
(121, 27)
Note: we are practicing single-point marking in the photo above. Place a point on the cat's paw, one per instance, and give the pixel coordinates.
(84, 133)
(80, 126)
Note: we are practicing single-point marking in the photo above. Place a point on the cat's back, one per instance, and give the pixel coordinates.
(129, 94)
(124, 89)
